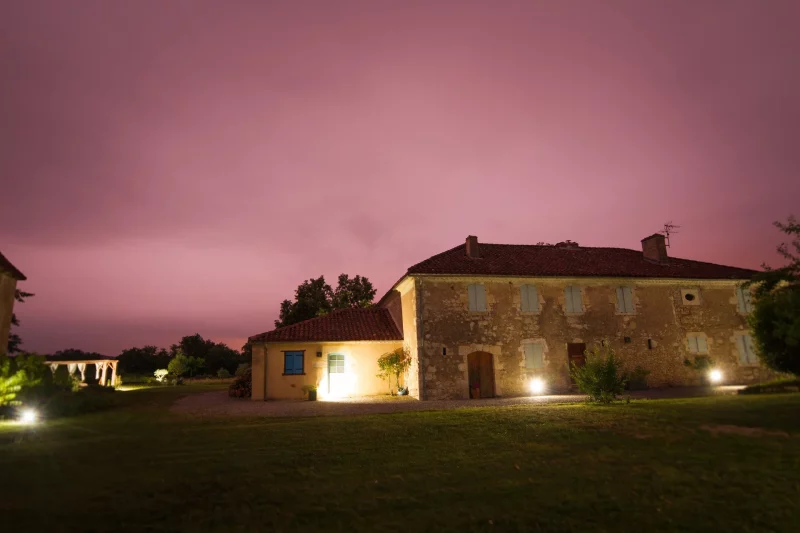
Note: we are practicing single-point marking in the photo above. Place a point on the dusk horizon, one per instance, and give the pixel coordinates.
(181, 168)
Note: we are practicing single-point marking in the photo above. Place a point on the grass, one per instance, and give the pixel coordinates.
(776, 386)
(644, 466)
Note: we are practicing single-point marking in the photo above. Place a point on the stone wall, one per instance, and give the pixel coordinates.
(8, 285)
(409, 296)
(662, 317)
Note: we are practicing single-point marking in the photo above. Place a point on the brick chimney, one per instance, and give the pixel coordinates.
(472, 247)
(654, 248)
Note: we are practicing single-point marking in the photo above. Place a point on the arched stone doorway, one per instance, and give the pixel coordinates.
(480, 370)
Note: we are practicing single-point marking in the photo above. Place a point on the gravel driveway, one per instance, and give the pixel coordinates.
(218, 403)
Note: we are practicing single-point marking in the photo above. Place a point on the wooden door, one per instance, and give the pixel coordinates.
(480, 370)
(576, 355)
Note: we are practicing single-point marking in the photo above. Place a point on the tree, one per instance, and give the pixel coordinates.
(220, 357)
(311, 299)
(183, 364)
(14, 340)
(775, 319)
(143, 361)
(356, 292)
(315, 298)
(394, 364)
(247, 353)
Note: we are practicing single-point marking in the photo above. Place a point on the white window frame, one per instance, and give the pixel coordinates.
(697, 343)
(625, 306)
(570, 291)
(476, 296)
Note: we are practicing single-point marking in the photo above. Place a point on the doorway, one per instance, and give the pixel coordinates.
(576, 356)
(480, 372)
(336, 376)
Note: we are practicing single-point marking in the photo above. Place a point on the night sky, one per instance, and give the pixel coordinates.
(172, 167)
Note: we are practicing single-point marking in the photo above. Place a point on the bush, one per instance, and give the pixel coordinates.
(161, 375)
(600, 377)
(393, 364)
(223, 373)
(242, 386)
(775, 322)
(242, 369)
(87, 400)
(773, 387)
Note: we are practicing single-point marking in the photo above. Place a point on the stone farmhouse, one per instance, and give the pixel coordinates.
(9, 275)
(483, 320)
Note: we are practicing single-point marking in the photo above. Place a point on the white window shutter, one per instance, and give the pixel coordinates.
(534, 357)
(523, 299)
(577, 304)
(702, 344)
(752, 357)
(533, 298)
(627, 295)
(620, 300)
(473, 304)
(740, 298)
(692, 339)
(741, 346)
(568, 299)
(480, 297)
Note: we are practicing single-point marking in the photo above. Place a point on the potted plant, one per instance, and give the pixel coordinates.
(311, 390)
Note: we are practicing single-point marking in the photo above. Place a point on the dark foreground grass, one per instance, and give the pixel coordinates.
(646, 466)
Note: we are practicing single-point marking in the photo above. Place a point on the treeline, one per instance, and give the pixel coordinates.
(208, 357)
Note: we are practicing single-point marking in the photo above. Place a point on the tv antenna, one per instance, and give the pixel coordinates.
(669, 228)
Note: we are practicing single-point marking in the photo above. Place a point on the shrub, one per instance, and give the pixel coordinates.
(242, 386)
(223, 373)
(775, 322)
(600, 378)
(701, 364)
(87, 400)
(394, 363)
(242, 369)
(161, 375)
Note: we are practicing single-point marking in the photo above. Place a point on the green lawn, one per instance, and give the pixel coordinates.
(645, 466)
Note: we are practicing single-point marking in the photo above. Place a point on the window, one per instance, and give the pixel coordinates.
(477, 297)
(747, 352)
(572, 297)
(534, 357)
(697, 343)
(625, 300)
(743, 298)
(690, 296)
(529, 299)
(293, 363)
(335, 363)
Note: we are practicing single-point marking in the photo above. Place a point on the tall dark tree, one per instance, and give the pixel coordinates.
(315, 298)
(247, 353)
(355, 292)
(311, 299)
(221, 356)
(144, 360)
(775, 319)
(14, 340)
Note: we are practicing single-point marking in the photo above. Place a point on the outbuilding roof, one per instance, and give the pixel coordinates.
(371, 324)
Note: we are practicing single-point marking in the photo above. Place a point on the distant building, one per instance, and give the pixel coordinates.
(9, 275)
(485, 319)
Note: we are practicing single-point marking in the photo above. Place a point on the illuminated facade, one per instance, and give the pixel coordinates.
(483, 320)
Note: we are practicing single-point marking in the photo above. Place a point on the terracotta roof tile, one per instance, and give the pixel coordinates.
(573, 261)
(372, 324)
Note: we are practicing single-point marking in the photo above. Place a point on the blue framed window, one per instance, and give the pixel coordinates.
(293, 362)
